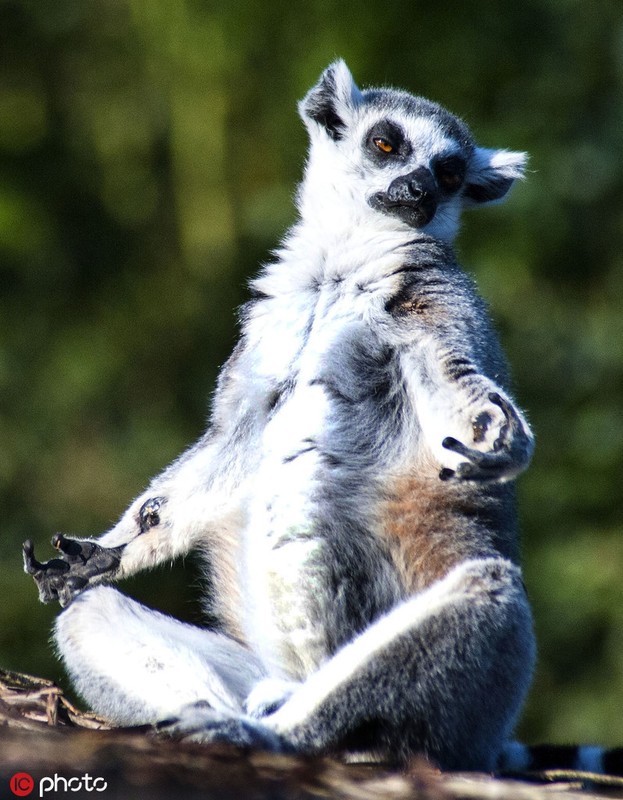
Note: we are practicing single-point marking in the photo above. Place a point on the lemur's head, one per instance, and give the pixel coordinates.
(403, 159)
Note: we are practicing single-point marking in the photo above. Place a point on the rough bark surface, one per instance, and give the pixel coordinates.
(44, 735)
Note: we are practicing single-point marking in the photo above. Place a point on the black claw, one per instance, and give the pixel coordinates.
(65, 577)
(31, 565)
(502, 402)
(56, 566)
(75, 551)
(508, 454)
(60, 542)
(450, 443)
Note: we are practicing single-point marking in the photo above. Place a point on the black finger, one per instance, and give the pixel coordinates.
(31, 565)
(450, 443)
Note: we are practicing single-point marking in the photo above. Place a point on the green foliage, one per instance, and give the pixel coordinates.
(148, 157)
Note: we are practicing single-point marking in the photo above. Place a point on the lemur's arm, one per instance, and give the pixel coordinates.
(194, 499)
(191, 498)
(471, 425)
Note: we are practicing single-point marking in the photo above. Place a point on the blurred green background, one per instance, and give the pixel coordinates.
(149, 151)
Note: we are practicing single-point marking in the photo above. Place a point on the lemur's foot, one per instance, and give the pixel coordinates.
(510, 449)
(268, 695)
(198, 722)
(64, 578)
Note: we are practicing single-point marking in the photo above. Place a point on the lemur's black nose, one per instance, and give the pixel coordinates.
(415, 189)
(412, 198)
(417, 192)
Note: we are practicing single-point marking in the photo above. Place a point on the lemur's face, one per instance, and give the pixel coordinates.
(405, 158)
(414, 162)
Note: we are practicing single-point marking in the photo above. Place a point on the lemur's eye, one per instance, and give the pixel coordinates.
(450, 173)
(450, 180)
(383, 145)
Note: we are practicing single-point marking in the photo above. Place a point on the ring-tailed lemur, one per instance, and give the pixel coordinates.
(353, 495)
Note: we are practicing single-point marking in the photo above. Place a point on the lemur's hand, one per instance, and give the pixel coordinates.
(510, 445)
(65, 577)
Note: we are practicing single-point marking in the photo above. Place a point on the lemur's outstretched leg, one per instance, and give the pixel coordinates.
(136, 666)
(444, 673)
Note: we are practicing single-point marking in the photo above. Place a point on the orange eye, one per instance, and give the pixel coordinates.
(383, 145)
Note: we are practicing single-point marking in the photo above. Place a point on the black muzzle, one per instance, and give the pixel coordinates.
(412, 197)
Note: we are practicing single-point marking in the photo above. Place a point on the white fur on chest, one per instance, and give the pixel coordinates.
(280, 545)
(303, 320)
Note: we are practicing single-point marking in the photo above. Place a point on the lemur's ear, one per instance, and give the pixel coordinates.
(492, 173)
(331, 102)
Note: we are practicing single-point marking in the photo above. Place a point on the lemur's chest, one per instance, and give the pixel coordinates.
(285, 553)
(328, 543)
(310, 306)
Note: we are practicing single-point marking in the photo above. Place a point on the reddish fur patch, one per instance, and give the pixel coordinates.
(421, 528)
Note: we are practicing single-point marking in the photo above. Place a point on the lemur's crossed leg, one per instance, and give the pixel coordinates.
(135, 666)
(445, 673)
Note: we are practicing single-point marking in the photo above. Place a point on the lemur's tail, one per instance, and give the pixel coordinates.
(560, 758)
